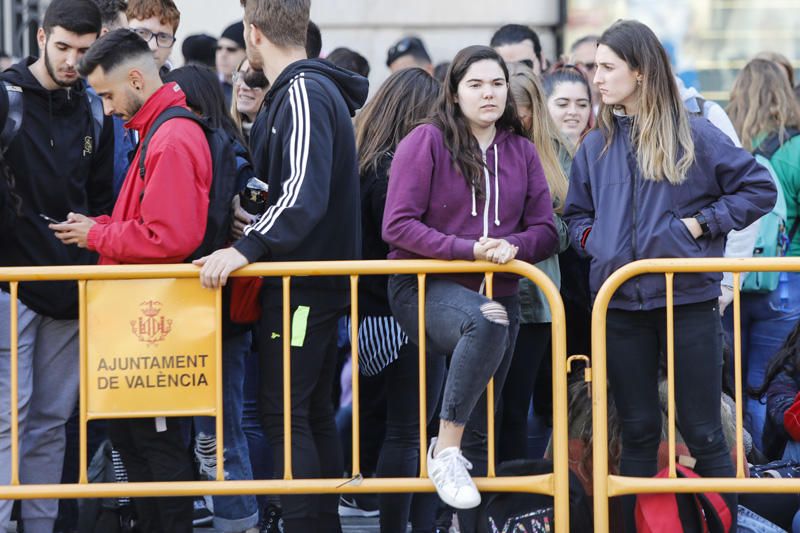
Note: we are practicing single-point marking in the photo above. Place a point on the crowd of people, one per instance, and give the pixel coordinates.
(258, 149)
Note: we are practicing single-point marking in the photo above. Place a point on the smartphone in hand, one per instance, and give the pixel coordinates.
(51, 219)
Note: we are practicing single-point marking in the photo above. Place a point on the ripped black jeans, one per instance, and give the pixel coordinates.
(476, 333)
(478, 336)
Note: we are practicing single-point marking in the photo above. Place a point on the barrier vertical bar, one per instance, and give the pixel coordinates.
(423, 403)
(83, 386)
(670, 276)
(600, 413)
(14, 331)
(560, 415)
(737, 366)
(354, 376)
(490, 470)
(218, 420)
(287, 381)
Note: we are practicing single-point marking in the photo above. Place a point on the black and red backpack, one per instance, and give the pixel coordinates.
(704, 512)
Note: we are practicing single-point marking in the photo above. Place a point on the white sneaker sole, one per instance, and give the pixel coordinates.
(347, 511)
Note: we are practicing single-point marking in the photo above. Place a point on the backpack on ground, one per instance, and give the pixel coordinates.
(772, 239)
(669, 512)
(105, 515)
(223, 181)
(506, 512)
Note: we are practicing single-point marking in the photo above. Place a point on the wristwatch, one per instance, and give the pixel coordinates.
(701, 219)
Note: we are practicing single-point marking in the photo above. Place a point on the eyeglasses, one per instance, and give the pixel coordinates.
(253, 79)
(527, 62)
(229, 49)
(163, 40)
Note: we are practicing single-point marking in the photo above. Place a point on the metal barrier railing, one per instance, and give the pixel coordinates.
(605, 485)
(555, 484)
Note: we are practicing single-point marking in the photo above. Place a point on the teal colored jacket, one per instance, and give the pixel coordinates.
(532, 301)
(533, 304)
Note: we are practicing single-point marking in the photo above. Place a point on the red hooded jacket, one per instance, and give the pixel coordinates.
(161, 218)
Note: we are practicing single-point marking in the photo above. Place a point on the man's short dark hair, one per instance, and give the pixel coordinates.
(349, 60)
(113, 49)
(78, 16)
(313, 40)
(516, 33)
(110, 10)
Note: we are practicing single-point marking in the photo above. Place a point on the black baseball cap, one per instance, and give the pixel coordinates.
(412, 46)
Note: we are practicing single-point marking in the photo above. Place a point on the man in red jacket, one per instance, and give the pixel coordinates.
(158, 218)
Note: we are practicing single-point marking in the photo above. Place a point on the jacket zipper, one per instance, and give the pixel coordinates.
(634, 240)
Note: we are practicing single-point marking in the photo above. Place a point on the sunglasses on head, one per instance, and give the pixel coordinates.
(255, 79)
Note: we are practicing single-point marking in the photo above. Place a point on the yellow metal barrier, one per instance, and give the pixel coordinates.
(555, 484)
(605, 485)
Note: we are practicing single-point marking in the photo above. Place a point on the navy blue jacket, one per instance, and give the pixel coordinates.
(57, 170)
(616, 216)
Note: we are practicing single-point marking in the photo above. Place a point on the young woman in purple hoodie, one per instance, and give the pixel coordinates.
(467, 185)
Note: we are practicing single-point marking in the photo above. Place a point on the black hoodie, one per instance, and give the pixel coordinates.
(304, 147)
(57, 171)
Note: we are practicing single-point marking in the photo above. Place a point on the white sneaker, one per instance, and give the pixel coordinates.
(448, 471)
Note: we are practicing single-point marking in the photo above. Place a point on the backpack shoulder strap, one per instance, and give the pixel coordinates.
(773, 142)
(167, 114)
(98, 116)
(13, 121)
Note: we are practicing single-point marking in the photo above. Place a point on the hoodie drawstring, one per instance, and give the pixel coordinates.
(474, 210)
(496, 190)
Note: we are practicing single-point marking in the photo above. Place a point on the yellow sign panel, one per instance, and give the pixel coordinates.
(151, 347)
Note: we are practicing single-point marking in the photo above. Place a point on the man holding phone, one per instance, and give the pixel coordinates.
(60, 166)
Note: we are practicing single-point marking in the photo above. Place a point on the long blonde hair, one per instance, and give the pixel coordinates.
(660, 131)
(762, 102)
(528, 92)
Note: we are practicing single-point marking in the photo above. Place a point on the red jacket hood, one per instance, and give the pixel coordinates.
(169, 95)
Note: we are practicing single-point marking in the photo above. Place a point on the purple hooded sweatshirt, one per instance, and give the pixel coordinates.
(431, 211)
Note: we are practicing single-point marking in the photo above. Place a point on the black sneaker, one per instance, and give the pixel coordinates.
(201, 515)
(359, 505)
(271, 520)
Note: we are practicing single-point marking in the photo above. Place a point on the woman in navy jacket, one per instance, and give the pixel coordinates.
(651, 182)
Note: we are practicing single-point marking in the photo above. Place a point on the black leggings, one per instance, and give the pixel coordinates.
(636, 343)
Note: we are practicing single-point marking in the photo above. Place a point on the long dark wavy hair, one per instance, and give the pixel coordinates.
(462, 145)
(204, 95)
(404, 99)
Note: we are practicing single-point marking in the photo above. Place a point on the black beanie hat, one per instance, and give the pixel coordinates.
(235, 32)
(199, 48)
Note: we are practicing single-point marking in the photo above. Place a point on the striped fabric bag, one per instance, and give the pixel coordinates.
(379, 341)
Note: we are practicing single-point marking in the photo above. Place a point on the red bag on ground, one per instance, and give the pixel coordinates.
(682, 513)
(791, 419)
